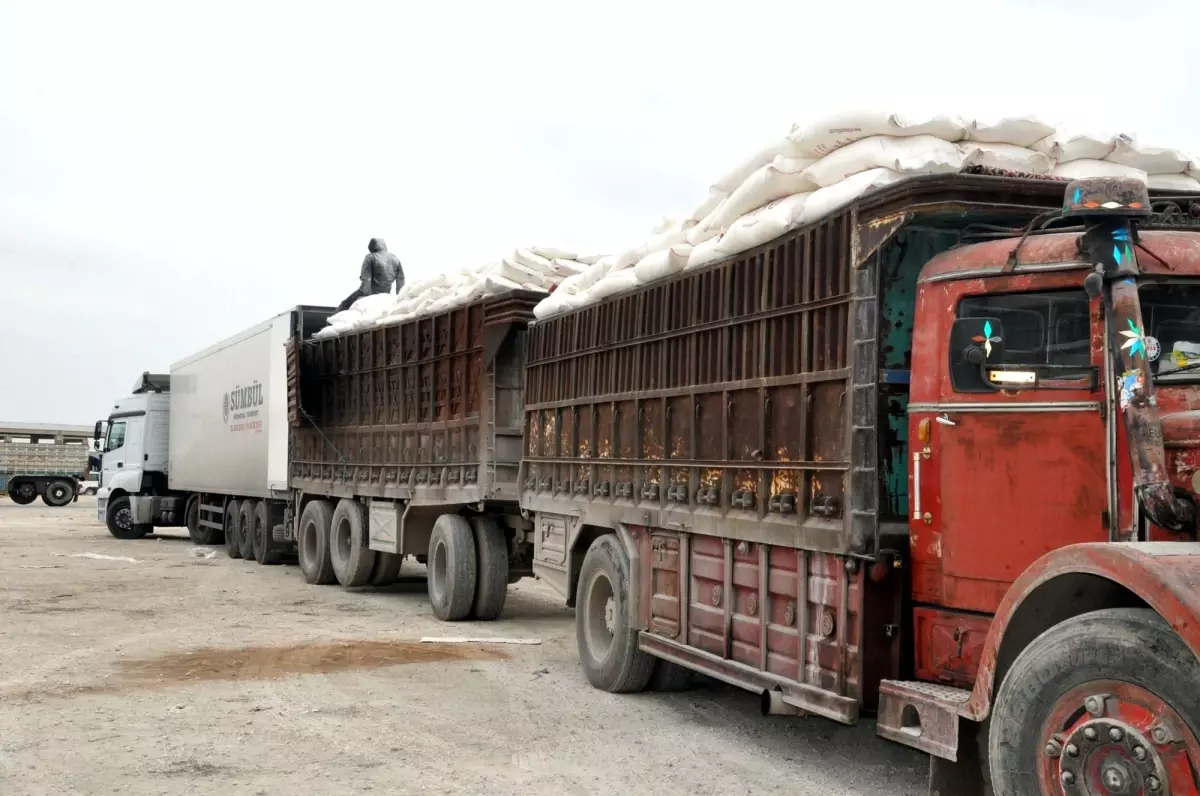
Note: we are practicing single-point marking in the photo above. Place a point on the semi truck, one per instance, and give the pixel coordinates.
(934, 458)
(52, 471)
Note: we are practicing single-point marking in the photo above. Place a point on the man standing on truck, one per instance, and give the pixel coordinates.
(380, 269)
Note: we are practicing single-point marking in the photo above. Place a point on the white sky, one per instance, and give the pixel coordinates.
(172, 173)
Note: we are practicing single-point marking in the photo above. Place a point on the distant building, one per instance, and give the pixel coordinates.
(45, 433)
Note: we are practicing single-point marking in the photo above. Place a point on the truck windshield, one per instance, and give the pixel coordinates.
(1171, 311)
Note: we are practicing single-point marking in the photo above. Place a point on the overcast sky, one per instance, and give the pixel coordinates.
(174, 172)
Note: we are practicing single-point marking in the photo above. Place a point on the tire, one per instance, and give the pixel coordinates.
(491, 569)
(352, 559)
(387, 569)
(670, 677)
(1042, 708)
(58, 494)
(452, 568)
(23, 493)
(266, 552)
(246, 528)
(119, 520)
(91, 490)
(233, 529)
(198, 535)
(608, 645)
(312, 543)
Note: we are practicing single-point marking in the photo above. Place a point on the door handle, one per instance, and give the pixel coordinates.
(120, 464)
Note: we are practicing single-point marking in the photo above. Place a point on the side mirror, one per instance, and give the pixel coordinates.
(975, 343)
(96, 433)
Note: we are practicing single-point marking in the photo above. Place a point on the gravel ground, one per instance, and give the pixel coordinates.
(172, 673)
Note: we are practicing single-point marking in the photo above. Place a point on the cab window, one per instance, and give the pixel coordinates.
(1040, 328)
(116, 436)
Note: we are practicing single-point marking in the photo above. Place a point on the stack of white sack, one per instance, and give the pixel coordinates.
(536, 268)
(818, 169)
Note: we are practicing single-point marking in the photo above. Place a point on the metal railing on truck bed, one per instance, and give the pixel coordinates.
(428, 410)
(27, 458)
(729, 398)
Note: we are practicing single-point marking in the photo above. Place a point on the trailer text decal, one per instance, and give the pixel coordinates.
(242, 403)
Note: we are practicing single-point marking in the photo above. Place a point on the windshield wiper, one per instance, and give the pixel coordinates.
(1181, 369)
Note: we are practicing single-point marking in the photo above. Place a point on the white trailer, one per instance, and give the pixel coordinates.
(225, 434)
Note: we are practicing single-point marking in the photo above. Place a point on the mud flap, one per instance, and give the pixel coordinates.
(962, 778)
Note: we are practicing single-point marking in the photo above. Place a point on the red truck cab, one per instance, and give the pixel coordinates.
(1021, 480)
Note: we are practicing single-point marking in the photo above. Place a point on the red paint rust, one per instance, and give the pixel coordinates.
(1169, 584)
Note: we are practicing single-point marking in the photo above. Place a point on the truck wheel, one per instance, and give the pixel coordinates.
(452, 568)
(233, 535)
(312, 543)
(1105, 702)
(491, 579)
(670, 677)
(58, 494)
(352, 559)
(266, 552)
(91, 490)
(246, 528)
(608, 644)
(119, 520)
(387, 569)
(198, 535)
(23, 493)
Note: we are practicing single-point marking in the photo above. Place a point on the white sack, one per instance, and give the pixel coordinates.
(553, 254)
(1086, 169)
(834, 132)
(551, 305)
(765, 185)
(1152, 160)
(614, 283)
(661, 264)
(1065, 147)
(764, 224)
(707, 252)
(1173, 182)
(564, 268)
(591, 259)
(1005, 156)
(328, 331)
(371, 307)
(922, 154)
(829, 200)
(710, 204)
(344, 318)
(729, 181)
(1022, 131)
(534, 262)
(706, 228)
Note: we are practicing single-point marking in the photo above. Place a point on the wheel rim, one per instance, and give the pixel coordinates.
(57, 492)
(601, 616)
(439, 566)
(123, 519)
(1110, 738)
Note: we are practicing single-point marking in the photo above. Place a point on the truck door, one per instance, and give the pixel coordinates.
(113, 460)
(1008, 474)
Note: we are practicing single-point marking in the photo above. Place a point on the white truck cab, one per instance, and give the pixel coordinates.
(133, 493)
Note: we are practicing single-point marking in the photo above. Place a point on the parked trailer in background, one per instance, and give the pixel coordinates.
(866, 468)
(52, 471)
(407, 441)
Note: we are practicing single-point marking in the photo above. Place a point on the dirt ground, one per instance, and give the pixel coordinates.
(160, 671)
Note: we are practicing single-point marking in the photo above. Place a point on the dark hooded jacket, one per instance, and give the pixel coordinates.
(380, 269)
